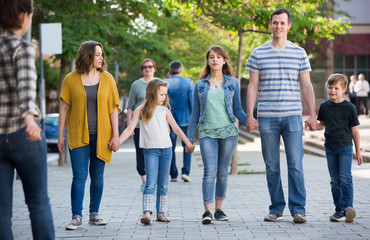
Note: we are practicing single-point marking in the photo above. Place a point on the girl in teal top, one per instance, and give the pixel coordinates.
(215, 109)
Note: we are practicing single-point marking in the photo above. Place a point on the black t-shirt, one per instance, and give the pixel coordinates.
(338, 119)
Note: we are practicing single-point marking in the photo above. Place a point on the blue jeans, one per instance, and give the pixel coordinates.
(291, 129)
(29, 159)
(140, 164)
(339, 161)
(80, 159)
(186, 156)
(157, 165)
(216, 155)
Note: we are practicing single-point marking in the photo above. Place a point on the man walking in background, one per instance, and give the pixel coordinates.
(180, 93)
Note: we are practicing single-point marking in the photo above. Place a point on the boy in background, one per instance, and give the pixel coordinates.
(339, 118)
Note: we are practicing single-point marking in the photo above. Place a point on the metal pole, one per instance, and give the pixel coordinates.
(42, 85)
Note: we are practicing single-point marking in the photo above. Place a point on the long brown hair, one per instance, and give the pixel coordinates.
(150, 102)
(85, 57)
(226, 68)
(10, 11)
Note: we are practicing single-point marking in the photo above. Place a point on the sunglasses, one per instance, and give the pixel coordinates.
(145, 67)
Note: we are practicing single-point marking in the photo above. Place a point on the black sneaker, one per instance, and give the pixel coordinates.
(337, 216)
(220, 215)
(207, 218)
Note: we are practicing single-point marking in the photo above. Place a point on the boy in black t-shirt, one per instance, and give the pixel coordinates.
(339, 118)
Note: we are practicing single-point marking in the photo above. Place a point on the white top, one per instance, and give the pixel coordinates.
(364, 85)
(155, 134)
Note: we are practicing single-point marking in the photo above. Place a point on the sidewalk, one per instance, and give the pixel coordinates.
(246, 203)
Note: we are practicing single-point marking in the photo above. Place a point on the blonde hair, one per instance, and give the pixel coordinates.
(150, 102)
(338, 78)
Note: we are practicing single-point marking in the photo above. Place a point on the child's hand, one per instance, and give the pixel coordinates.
(359, 158)
(190, 149)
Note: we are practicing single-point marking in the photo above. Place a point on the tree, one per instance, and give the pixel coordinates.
(310, 21)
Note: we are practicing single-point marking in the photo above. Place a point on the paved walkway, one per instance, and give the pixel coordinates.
(246, 204)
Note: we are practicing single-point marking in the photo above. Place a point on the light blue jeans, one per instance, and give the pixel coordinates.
(157, 166)
(84, 161)
(291, 129)
(216, 155)
(339, 161)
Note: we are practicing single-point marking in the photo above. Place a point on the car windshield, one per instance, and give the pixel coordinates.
(53, 121)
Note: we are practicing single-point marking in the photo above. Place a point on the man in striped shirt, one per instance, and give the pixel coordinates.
(279, 71)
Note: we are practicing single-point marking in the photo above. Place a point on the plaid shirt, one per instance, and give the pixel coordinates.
(17, 81)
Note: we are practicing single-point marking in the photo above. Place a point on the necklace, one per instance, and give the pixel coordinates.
(214, 83)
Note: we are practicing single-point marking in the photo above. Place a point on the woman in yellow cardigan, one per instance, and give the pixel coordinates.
(90, 107)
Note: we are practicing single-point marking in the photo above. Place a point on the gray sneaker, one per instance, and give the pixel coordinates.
(299, 218)
(75, 223)
(350, 214)
(273, 217)
(95, 220)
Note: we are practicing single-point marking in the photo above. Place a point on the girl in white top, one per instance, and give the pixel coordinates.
(154, 117)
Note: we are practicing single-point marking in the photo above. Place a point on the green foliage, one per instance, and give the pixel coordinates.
(167, 30)
(51, 75)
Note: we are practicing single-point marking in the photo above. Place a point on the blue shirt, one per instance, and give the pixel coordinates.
(180, 92)
(279, 69)
(232, 99)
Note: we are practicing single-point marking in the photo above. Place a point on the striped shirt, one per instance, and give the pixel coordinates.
(17, 81)
(278, 89)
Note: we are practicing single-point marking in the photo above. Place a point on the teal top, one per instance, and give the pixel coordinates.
(217, 122)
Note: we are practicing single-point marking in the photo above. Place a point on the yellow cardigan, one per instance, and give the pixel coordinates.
(73, 93)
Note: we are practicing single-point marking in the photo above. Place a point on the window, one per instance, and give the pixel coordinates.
(352, 65)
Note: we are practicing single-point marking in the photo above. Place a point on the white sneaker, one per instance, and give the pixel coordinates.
(186, 178)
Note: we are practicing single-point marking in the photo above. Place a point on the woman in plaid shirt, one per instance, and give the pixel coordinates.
(22, 143)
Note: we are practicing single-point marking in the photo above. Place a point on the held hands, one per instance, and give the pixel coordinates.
(251, 123)
(190, 148)
(114, 144)
(311, 123)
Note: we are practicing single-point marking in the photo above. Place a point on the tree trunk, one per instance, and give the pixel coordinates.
(234, 161)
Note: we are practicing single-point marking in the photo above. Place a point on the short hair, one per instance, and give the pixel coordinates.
(281, 11)
(338, 78)
(353, 77)
(85, 57)
(361, 75)
(10, 11)
(175, 67)
(148, 60)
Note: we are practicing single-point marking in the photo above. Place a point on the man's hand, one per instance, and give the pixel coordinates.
(251, 123)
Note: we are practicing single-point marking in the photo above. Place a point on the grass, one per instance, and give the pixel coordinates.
(244, 171)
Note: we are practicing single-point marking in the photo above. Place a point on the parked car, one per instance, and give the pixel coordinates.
(51, 131)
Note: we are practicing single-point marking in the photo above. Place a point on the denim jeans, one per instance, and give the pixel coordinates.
(186, 156)
(157, 165)
(80, 159)
(339, 161)
(29, 159)
(291, 129)
(140, 164)
(216, 155)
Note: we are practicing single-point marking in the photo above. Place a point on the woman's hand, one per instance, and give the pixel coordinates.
(33, 131)
(114, 144)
